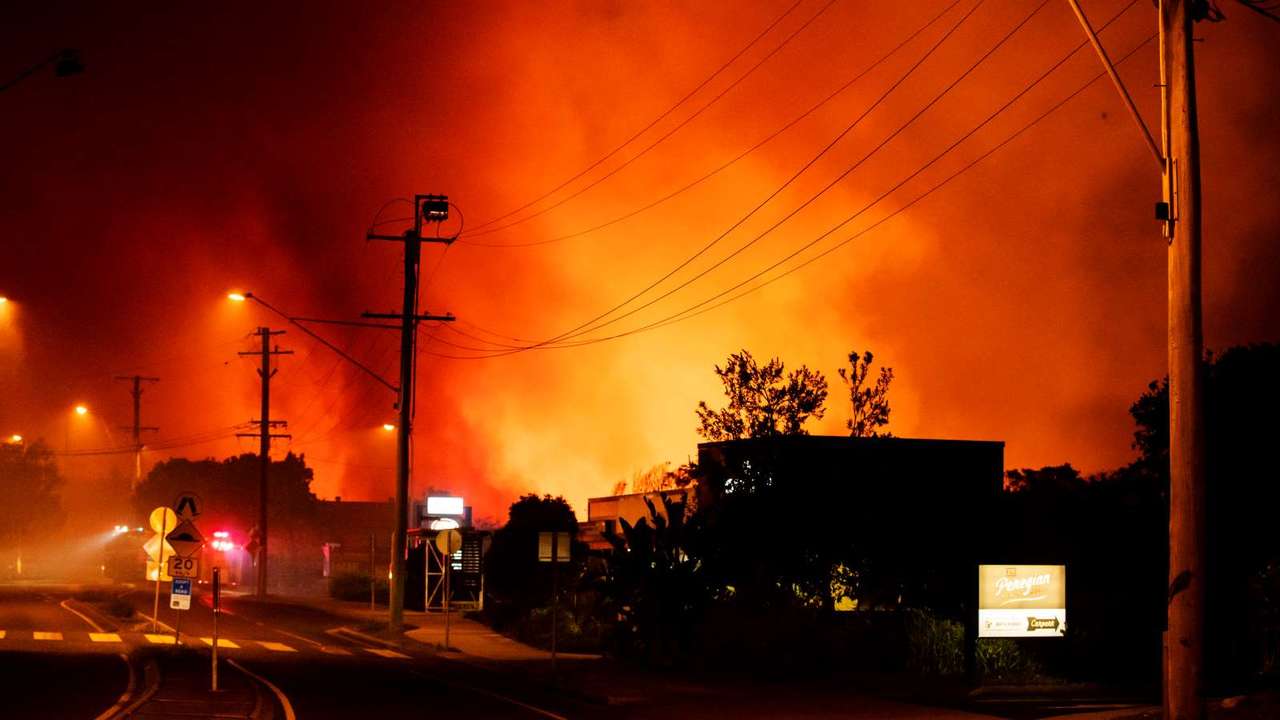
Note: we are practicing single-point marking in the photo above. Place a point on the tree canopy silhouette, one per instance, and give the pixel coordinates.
(869, 405)
(29, 484)
(764, 400)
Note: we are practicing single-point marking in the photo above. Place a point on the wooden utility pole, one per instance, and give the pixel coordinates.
(137, 427)
(264, 434)
(1179, 213)
(1184, 669)
(429, 208)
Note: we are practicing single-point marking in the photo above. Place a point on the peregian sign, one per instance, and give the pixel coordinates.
(1022, 600)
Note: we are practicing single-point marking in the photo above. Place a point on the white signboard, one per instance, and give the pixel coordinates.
(438, 505)
(1022, 600)
(183, 567)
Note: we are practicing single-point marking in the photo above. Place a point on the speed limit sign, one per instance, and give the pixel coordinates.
(184, 567)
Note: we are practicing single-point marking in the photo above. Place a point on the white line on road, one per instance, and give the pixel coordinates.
(80, 615)
(124, 697)
(284, 700)
(41, 635)
(148, 618)
(105, 637)
(388, 653)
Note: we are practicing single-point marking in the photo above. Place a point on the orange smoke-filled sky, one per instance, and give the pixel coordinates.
(248, 147)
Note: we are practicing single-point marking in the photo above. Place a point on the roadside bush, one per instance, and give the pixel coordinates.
(355, 586)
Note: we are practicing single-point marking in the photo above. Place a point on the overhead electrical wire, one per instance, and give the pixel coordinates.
(464, 238)
(662, 116)
(735, 159)
(595, 322)
(699, 308)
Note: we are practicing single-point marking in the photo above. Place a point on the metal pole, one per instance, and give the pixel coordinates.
(448, 560)
(155, 605)
(216, 610)
(555, 596)
(177, 622)
(373, 572)
(1186, 383)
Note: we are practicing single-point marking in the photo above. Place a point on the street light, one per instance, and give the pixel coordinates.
(388, 427)
(82, 410)
(15, 438)
(236, 297)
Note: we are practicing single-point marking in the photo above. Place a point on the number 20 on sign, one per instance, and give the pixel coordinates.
(185, 567)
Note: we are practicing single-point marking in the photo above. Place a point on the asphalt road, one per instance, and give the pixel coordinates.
(292, 656)
(48, 678)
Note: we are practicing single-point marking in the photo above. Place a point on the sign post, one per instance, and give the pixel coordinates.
(553, 547)
(448, 542)
(179, 599)
(217, 592)
(162, 520)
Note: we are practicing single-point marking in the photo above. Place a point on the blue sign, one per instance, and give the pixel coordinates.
(181, 586)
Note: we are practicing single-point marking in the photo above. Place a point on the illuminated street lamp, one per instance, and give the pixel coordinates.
(82, 410)
(388, 427)
(3, 299)
(236, 297)
(15, 438)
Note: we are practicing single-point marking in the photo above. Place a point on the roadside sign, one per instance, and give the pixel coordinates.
(180, 595)
(183, 567)
(188, 505)
(162, 521)
(1022, 601)
(185, 539)
(553, 547)
(448, 542)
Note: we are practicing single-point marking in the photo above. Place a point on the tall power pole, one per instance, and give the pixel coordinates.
(138, 428)
(264, 434)
(1184, 670)
(429, 208)
(1179, 211)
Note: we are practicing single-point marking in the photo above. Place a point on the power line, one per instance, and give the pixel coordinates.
(661, 138)
(701, 307)
(647, 127)
(595, 321)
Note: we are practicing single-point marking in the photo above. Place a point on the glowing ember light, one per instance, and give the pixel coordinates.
(236, 297)
(82, 410)
(388, 427)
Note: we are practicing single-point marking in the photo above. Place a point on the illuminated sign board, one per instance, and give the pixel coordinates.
(438, 505)
(1022, 600)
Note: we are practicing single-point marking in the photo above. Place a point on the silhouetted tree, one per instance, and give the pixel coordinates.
(515, 582)
(869, 405)
(229, 489)
(29, 485)
(764, 400)
(656, 584)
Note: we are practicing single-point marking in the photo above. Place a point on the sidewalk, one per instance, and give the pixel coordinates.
(477, 640)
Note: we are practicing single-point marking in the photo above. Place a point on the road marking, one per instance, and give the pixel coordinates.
(298, 637)
(388, 653)
(38, 635)
(159, 639)
(147, 617)
(80, 615)
(277, 647)
(124, 697)
(104, 637)
(284, 701)
(222, 642)
(334, 650)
